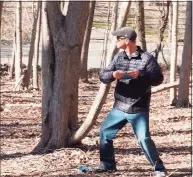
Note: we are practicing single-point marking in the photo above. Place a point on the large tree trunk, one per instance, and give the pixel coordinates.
(86, 42)
(183, 93)
(173, 63)
(31, 50)
(36, 48)
(104, 88)
(140, 23)
(18, 56)
(62, 42)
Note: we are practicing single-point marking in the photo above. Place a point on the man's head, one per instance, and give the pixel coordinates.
(125, 37)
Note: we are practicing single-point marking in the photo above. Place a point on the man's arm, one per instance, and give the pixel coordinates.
(110, 73)
(153, 74)
(106, 75)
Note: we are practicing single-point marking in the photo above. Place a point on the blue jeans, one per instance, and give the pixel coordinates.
(116, 120)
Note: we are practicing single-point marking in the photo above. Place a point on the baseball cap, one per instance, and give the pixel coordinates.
(125, 32)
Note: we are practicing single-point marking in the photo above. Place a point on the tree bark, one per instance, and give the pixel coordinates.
(36, 48)
(173, 63)
(31, 50)
(18, 56)
(123, 15)
(86, 42)
(62, 42)
(114, 15)
(140, 23)
(1, 8)
(104, 88)
(106, 38)
(12, 65)
(183, 92)
(170, 23)
(163, 22)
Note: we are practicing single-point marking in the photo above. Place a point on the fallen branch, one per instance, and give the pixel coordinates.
(164, 87)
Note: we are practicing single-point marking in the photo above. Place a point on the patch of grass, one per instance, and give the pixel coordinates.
(99, 25)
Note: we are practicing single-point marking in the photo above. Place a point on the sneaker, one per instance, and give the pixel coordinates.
(160, 174)
(102, 168)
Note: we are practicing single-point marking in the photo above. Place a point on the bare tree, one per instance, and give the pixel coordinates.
(18, 56)
(31, 50)
(85, 45)
(114, 15)
(12, 65)
(104, 88)
(1, 7)
(36, 48)
(183, 93)
(62, 42)
(106, 35)
(164, 13)
(140, 23)
(170, 23)
(173, 63)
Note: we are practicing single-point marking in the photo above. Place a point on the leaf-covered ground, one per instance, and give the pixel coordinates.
(21, 131)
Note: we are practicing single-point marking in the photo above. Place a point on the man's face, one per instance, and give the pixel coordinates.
(121, 42)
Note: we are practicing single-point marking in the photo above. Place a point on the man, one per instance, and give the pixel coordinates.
(135, 71)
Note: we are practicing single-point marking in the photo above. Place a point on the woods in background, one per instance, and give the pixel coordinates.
(65, 31)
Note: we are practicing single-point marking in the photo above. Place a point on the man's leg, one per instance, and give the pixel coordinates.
(114, 121)
(140, 123)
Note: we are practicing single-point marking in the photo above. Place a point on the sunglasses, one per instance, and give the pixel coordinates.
(120, 38)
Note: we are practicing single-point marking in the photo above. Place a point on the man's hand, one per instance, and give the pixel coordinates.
(134, 74)
(119, 74)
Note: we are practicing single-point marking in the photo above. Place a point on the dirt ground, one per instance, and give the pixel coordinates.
(21, 131)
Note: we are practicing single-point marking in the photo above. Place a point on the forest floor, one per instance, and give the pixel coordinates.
(21, 131)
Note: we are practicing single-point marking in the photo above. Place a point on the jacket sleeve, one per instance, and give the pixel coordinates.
(152, 75)
(106, 75)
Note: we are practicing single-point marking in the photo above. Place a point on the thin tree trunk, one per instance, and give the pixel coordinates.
(62, 42)
(1, 8)
(170, 23)
(12, 65)
(104, 88)
(114, 16)
(140, 22)
(123, 15)
(31, 50)
(173, 63)
(106, 39)
(163, 22)
(18, 56)
(86, 42)
(183, 93)
(36, 51)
